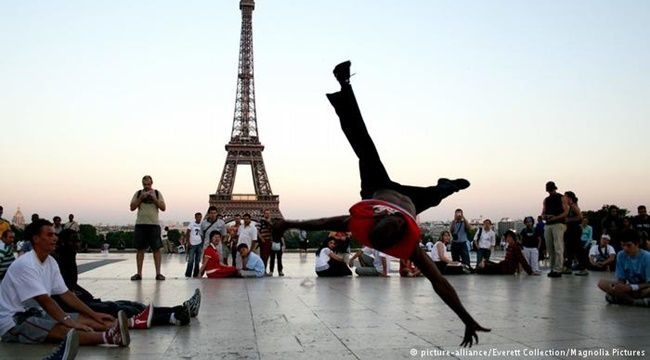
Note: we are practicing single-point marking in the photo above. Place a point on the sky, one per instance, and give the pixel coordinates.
(508, 94)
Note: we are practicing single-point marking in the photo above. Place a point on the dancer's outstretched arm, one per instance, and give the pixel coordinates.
(336, 223)
(447, 293)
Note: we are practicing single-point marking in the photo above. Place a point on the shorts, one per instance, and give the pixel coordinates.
(32, 327)
(147, 236)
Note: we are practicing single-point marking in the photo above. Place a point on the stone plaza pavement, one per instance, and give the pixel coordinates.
(302, 317)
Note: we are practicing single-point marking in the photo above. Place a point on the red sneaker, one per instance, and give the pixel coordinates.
(143, 319)
(119, 333)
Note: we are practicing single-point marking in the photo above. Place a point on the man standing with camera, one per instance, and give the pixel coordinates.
(148, 201)
(459, 244)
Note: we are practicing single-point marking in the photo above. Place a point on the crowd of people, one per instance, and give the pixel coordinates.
(41, 300)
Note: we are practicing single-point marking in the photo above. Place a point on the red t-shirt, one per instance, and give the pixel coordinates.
(362, 218)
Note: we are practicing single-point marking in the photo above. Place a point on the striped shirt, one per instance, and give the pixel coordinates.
(6, 258)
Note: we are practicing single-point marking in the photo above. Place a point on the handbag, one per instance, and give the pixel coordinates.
(276, 246)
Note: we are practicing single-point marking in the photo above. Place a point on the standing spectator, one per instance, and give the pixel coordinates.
(4, 224)
(612, 224)
(265, 237)
(233, 230)
(303, 242)
(195, 235)
(277, 248)
(148, 202)
(602, 256)
(632, 285)
(71, 224)
(554, 211)
(485, 240)
(211, 223)
(246, 234)
(6, 251)
(531, 240)
(212, 264)
(510, 264)
(539, 228)
(57, 225)
(641, 223)
(251, 263)
(459, 245)
(167, 244)
(587, 236)
(573, 248)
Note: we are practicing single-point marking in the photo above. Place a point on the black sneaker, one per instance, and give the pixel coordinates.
(554, 274)
(182, 315)
(68, 348)
(194, 303)
(452, 186)
(342, 72)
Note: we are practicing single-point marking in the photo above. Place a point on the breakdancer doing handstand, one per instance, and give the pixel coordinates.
(385, 218)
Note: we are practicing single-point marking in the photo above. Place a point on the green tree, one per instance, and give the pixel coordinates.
(88, 235)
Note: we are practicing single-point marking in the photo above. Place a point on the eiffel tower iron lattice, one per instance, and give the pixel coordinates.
(244, 147)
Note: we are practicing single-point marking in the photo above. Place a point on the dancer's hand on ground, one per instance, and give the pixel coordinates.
(470, 334)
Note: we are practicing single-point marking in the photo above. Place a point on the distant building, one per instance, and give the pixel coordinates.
(18, 220)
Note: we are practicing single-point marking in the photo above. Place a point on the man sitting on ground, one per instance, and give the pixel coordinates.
(251, 264)
(632, 285)
(29, 315)
(602, 257)
(140, 315)
(510, 264)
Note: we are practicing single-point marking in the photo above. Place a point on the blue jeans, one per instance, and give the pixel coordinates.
(194, 260)
(482, 254)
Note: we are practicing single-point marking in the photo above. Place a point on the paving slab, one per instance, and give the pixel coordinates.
(300, 316)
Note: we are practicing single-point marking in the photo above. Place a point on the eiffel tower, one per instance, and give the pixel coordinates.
(244, 147)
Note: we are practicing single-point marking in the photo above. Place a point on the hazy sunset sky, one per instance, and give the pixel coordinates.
(508, 94)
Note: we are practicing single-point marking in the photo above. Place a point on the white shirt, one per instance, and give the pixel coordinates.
(247, 234)
(25, 279)
(322, 259)
(195, 233)
(434, 253)
(593, 252)
(487, 240)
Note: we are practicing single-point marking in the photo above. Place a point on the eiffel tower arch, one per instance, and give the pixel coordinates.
(244, 147)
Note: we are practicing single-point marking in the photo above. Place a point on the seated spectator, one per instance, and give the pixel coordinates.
(442, 261)
(251, 264)
(408, 269)
(343, 242)
(632, 285)
(329, 264)
(484, 240)
(6, 251)
(510, 264)
(29, 315)
(140, 316)
(363, 257)
(212, 264)
(602, 257)
(379, 265)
